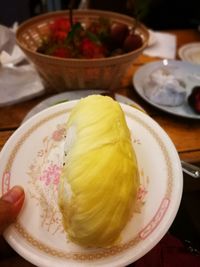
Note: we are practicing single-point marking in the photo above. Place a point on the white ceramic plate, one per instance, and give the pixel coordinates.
(32, 158)
(73, 95)
(190, 74)
(190, 52)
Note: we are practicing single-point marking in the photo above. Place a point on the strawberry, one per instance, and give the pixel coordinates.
(63, 52)
(90, 49)
(60, 24)
(59, 30)
(59, 36)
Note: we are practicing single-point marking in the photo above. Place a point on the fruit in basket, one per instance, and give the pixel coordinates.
(71, 72)
(97, 39)
(90, 49)
(194, 99)
(99, 179)
(132, 42)
(118, 33)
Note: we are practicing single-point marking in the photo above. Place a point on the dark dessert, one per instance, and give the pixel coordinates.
(194, 99)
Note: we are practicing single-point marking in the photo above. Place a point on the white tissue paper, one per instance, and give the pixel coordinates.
(161, 45)
(17, 83)
(10, 53)
(7, 40)
(163, 88)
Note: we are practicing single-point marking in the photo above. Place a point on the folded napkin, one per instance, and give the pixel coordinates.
(161, 45)
(10, 53)
(13, 58)
(7, 39)
(18, 84)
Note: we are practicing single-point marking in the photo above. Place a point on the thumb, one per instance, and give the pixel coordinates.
(10, 205)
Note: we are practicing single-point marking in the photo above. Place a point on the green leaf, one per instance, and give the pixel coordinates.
(74, 29)
(93, 37)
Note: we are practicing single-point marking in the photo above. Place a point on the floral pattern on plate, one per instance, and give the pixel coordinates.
(32, 158)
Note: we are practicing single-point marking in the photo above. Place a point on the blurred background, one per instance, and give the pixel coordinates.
(156, 14)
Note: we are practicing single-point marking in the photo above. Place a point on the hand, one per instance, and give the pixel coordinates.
(10, 206)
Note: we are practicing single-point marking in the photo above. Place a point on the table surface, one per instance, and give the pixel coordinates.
(184, 133)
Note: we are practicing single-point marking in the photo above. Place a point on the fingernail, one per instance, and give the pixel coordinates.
(14, 194)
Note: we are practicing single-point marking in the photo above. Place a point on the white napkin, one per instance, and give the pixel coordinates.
(10, 53)
(7, 39)
(15, 57)
(163, 45)
(18, 84)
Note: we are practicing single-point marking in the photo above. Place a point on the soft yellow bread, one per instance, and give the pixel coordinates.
(99, 179)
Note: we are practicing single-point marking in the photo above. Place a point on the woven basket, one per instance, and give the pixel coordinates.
(61, 74)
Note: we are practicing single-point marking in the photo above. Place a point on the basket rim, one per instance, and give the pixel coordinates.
(94, 12)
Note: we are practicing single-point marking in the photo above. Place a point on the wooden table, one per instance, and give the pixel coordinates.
(185, 133)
